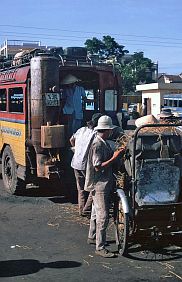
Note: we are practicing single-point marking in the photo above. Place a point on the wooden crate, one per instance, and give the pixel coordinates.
(52, 136)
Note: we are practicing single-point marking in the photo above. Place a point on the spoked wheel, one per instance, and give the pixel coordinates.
(123, 229)
(9, 171)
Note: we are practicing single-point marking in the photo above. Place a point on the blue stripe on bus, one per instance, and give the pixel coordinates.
(12, 120)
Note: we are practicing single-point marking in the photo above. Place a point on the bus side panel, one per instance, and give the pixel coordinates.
(13, 134)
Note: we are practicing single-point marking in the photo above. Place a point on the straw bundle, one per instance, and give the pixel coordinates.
(163, 129)
(121, 179)
(122, 141)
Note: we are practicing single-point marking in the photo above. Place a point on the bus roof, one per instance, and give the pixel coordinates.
(14, 75)
(173, 96)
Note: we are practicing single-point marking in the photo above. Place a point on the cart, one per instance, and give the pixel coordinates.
(150, 203)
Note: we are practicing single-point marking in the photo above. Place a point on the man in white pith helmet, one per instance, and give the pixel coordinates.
(99, 181)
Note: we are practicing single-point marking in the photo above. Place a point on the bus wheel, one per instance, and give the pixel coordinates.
(9, 171)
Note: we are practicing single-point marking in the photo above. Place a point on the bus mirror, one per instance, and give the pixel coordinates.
(54, 89)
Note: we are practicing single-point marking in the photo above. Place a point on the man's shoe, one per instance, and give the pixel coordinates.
(91, 241)
(104, 253)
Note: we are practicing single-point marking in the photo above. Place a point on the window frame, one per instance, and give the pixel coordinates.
(9, 100)
(5, 99)
(115, 100)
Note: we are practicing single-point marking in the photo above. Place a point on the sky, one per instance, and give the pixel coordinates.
(153, 27)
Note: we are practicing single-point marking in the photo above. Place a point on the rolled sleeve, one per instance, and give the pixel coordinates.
(97, 156)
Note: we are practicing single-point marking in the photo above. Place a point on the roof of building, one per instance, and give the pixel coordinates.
(168, 78)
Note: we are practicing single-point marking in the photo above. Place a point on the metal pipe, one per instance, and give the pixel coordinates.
(124, 200)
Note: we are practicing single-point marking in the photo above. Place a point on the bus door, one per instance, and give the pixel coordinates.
(110, 104)
(148, 106)
(93, 106)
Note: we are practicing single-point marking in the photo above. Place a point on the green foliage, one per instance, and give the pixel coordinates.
(105, 48)
(137, 70)
(94, 46)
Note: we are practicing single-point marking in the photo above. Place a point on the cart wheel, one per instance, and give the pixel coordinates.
(123, 226)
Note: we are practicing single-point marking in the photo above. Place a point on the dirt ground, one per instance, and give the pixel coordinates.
(44, 239)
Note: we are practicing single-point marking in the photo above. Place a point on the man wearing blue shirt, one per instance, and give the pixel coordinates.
(72, 96)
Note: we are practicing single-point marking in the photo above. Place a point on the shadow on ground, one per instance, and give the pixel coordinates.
(11, 268)
(62, 191)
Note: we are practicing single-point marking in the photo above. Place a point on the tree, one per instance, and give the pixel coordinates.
(137, 70)
(105, 48)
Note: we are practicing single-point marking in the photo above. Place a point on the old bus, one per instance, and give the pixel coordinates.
(32, 143)
(173, 102)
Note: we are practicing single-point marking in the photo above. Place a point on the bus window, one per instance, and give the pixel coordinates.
(16, 100)
(180, 103)
(170, 103)
(89, 106)
(110, 100)
(3, 100)
(175, 103)
(165, 102)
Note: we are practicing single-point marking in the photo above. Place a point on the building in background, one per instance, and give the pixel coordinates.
(10, 47)
(153, 94)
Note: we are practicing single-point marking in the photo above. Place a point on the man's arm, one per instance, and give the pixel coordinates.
(62, 104)
(111, 160)
(84, 97)
(86, 100)
(72, 141)
(63, 97)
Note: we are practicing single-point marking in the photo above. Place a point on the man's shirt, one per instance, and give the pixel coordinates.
(102, 180)
(83, 138)
(73, 105)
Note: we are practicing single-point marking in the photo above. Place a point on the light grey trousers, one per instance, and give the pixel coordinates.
(99, 218)
(84, 198)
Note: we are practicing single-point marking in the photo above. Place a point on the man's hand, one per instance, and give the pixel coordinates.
(118, 153)
(72, 141)
(112, 159)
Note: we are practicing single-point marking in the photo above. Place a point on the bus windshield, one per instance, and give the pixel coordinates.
(173, 102)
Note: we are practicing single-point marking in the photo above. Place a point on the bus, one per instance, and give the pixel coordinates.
(33, 143)
(173, 102)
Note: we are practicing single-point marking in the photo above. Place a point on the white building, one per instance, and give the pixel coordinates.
(153, 93)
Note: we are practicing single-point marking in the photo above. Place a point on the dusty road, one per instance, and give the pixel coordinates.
(43, 239)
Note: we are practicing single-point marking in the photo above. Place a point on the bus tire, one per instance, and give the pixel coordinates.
(9, 172)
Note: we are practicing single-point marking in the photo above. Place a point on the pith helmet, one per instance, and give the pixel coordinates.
(105, 122)
(145, 120)
(165, 113)
(69, 79)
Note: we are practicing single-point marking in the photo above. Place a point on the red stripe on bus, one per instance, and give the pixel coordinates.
(12, 116)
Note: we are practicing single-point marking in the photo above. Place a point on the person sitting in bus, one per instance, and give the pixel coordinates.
(72, 97)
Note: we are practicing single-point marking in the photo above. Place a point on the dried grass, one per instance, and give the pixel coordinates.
(163, 129)
(122, 141)
(120, 181)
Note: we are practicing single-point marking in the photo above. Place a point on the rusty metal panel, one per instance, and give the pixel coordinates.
(44, 75)
(157, 182)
